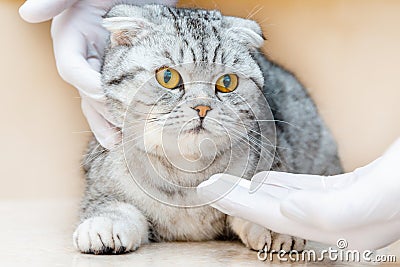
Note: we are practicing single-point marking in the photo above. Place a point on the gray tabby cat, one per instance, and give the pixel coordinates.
(196, 73)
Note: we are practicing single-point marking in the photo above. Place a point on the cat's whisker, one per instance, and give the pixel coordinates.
(254, 9)
(252, 141)
(248, 128)
(150, 113)
(252, 13)
(90, 131)
(266, 138)
(285, 122)
(259, 143)
(136, 122)
(139, 123)
(254, 148)
(264, 23)
(276, 155)
(153, 129)
(89, 157)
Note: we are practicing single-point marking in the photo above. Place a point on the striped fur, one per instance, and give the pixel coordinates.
(117, 215)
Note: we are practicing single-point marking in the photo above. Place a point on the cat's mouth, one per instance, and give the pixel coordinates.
(195, 127)
(197, 130)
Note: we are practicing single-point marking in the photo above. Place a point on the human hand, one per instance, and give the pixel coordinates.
(360, 206)
(79, 41)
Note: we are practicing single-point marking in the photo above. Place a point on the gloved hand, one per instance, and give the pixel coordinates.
(361, 206)
(79, 41)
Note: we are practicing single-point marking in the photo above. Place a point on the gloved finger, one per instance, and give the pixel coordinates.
(100, 108)
(390, 159)
(35, 11)
(94, 62)
(295, 182)
(217, 187)
(230, 195)
(312, 182)
(106, 134)
(357, 205)
(368, 200)
(259, 207)
(264, 209)
(365, 170)
(70, 49)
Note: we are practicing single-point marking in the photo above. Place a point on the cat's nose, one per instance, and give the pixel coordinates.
(202, 110)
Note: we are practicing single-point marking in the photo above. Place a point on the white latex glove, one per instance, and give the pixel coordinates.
(363, 206)
(79, 41)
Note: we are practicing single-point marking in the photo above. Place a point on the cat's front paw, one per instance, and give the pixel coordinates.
(102, 235)
(259, 238)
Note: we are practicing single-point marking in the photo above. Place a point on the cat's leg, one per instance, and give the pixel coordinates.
(257, 237)
(110, 227)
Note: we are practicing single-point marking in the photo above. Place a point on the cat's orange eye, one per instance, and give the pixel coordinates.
(227, 83)
(168, 78)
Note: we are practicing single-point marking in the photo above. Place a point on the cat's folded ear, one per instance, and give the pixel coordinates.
(126, 31)
(245, 31)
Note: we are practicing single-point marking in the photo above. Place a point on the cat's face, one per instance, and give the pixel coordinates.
(176, 77)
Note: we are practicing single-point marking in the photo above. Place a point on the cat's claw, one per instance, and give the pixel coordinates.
(259, 238)
(287, 243)
(102, 235)
(255, 237)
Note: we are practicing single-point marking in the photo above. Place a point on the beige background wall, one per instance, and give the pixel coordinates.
(346, 52)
